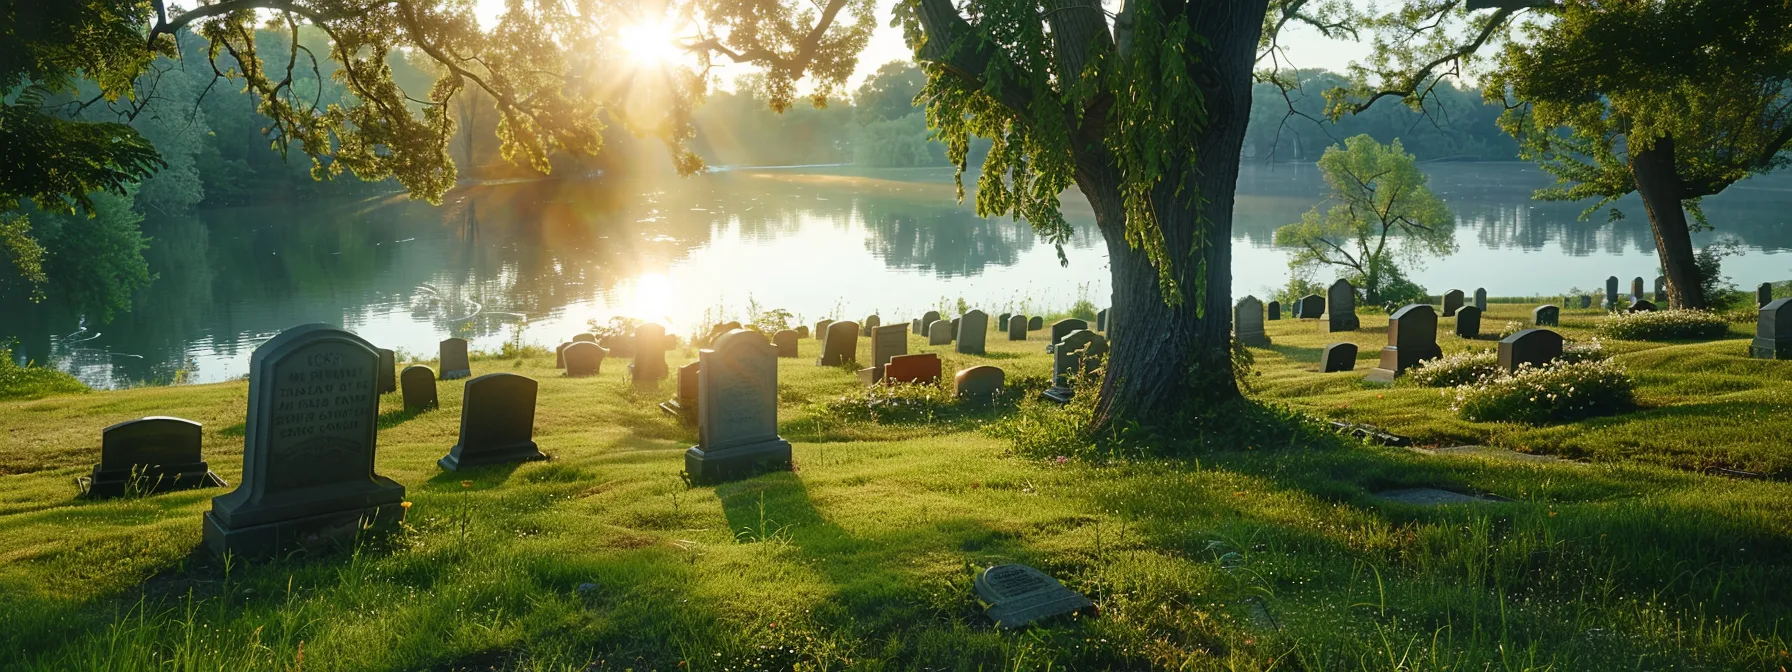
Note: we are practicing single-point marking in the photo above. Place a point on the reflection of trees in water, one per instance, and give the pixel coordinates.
(949, 241)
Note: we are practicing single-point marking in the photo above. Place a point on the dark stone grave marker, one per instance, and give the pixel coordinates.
(497, 422)
(1535, 347)
(1412, 338)
(454, 359)
(419, 388)
(1338, 357)
(150, 455)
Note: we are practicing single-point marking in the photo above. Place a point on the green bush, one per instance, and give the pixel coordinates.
(1664, 325)
(1576, 352)
(32, 382)
(1556, 392)
(1458, 369)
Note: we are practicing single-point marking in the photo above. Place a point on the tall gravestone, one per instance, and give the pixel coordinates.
(1342, 297)
(1035, 323)
(979, 385)
(955, 329)
(150, 455)
(1546, 316)
(1075, 355)
(308, 449)
(1247, 322)
(737, 410)
(973, 332)
(1763, 294)
(1611, 294)
(1586, 302)
(1452, 302)
(1661, 288)
(821, 329)
(1773, 331)
(927, 320)
(1062, 328)
(1636, 289)
(454, 359)
(1275, 310)
(840, 346)
(419, 384)
(650, 354)
(684, 406)
(584, 359)
(886, 342)
(497, 422)
(1481, 298)
(939, 333)
(388, 371)
(1468, 322)
(1017, 328)
(1312, 307)
(1535, 347)
(871, 322)
(1338, 357)
(1412, 338)
(1101, 320)
(1002, 321)
(914, 326)
(786, 343)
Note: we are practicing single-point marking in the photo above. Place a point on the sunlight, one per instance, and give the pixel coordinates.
(651, 42)
(652, 296)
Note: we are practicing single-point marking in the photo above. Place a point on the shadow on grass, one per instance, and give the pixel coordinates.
(1296, 353)
(482, 477)
(399, 416)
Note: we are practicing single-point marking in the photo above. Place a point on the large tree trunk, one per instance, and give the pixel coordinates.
(1658, 183)
(1168, 360)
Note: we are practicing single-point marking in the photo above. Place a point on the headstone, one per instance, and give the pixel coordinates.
(1773, 331)
(584, 338)
(1481, 298)
(1611, 293)
(1035, 323)
(1312, 307)
(979, 385)
(921, 368)
(1002, 321)
(651, 345)
(1642, 306)
(1101, 320)
(583, 359)
(560, 355)
(1468, 322)
(841, 344)
(1546, 316)
(1338, 357)
(1019, 595)
(1074, 356)
(871, 322)
(1636, 289)
(973, 332)
(150, 455)
(1586, 302)
(955, 329)
(886, 342)
(684, 406)
(1017, 328)
(1062, 328)
(1763, 295)
(939, 333)
(927, 320)
(914, 326)
(821, 329)
(802, 331)
(454, 359)
(388, 371)
(1412, 338)
(1247, 322)
(786, 342)
(419, 388)
(618, 345)
(497, 422)
(1535, 347)
(1452, 301)
(1275, 310)
(737, 408)
(716, 331)
(1661, 288)
(1342, 297)
(308, 449)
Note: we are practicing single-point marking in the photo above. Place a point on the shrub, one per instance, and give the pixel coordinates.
(32, 382)
(1664, 325)
(1458, 369)
(1556, 392)
(909, 403)
(1511, 327)
(1574, 353)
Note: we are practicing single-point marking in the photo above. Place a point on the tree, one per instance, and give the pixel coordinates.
(1380, 196)
(889, 93)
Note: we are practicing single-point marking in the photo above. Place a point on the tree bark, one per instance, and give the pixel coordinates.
(1659, 185)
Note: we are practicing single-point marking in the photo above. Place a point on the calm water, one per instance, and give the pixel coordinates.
(546, 257)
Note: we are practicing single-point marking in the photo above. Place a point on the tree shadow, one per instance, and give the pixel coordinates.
(481, 477)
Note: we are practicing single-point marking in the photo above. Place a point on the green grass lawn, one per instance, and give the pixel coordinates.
(1261, 557)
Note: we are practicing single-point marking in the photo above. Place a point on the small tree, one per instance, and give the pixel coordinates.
(1382, 214)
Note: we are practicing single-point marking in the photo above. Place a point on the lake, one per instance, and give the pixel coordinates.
(535, 261)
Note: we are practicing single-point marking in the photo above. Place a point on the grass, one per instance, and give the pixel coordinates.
(33, 382)
(1256, 558)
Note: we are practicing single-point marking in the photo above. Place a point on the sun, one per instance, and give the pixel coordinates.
(650, 42)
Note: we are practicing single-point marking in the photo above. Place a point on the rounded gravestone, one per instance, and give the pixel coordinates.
(1017, 328)
(584, 359)
(497, 421)
(584, 338)
(786, 343)
(821, 329)
(1533, 347)
(453, 359)
(973, 332)
(1468, 322)
(1412, 338)
(1452, 302)
(1546, 316)
(150, 455)
(939, 333)
(1247, 322)
(419, 387)
(979, 385)
(1035, 323)
(560, 355)
(1338, 357)
(841, 344)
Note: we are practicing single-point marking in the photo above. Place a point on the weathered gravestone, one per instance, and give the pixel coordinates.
(871, 322)
(1546, 316)
(1035, 323)
(1247, 321)
(419, 388)
(560, 355)
(914, 326)
(1642, 306)
(1763, 294)
(886, 342)
(1018, 595)
(584, 338)
(939, 333)
(1636, 289)
(737, 410)
(1312, 307)
(1342, 297)
(1661, 288)
(1452, 302)
(454, 359)
(923, 368)
(684, 406)
(927, 320)
(1338, 357)
(1535, 347)
(979, 385)
(1468, 322)
(584, 359)
(1076, 355)
(786, 343)
(1412, 338)
(650, 354)
(1062, 328)
(1017, 328)
(821, 329)
(308, 449)
(388, 371)
(1611, 293)
(802, 331)
(840, 346)
(973, 332)
(1002, 321)
(1101, 320)
(497, 422)
(1773, 331)
(150, 455)
(1586, 302)
(1481, 298)
(1275, 310)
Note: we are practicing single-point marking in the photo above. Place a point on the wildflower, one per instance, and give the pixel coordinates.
(1062, 459)
(466, 484)
(404, 505)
